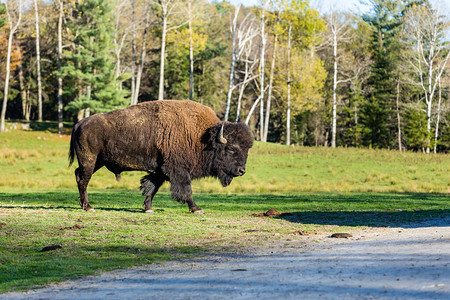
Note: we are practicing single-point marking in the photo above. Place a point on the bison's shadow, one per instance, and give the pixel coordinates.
(405, 219)
(68, 201)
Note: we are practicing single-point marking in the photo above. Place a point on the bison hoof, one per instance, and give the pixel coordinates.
(90, 209)
(149, 211)
(201, 212)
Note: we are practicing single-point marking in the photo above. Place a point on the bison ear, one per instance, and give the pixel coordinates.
(220, 137)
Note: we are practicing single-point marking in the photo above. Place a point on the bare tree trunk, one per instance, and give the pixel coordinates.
(247, 120)
(333, 127)
(288, 112)
(241, 92)
(233, 62)
(163, 55)
(430, 99)
(60, 88)
(263, 50)
(399, 128)
(244, 83)
(142, 58)
(436, 134)
(118, 45)
(251, 110)
(12, 30)
(191, 54)
(38, 62)
(335, 27)
(118, 69)
(169, 8)
(23, 93)
(431, 88)
(269, 95)
(80, 114)
(356, 124)
(427, 150)
(133, 53)
(27, 105)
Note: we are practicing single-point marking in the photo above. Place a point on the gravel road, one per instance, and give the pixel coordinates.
(375, 263)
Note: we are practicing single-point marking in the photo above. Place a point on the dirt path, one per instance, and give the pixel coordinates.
(376, 263)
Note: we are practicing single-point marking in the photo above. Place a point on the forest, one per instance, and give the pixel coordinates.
(380, 79)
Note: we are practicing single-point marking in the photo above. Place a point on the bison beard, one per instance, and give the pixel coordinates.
(175, 141)
(225, 180)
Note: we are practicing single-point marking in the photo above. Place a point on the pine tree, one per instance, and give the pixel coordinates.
(376, 118)
(2, 15)
(89, 66)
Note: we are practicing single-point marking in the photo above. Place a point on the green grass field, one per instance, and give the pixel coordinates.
(324, 190)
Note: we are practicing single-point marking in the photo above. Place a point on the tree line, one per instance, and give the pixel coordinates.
(379, 79)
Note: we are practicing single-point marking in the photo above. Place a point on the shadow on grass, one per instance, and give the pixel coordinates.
(405, 219)
(70, 208)
(343, 209)
(51, 126)
(70, 201)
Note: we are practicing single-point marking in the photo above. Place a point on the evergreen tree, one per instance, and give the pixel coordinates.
(416, 128)
(376, 113)
(2, 15)
(89, 66)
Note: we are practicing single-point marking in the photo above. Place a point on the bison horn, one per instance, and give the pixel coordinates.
(220, 137)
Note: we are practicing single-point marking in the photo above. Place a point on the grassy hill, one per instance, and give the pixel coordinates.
(37, 160)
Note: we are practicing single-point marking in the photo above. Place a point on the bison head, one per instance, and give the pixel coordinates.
(227, 150)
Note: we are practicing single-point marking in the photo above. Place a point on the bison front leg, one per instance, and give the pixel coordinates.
(150, 185)
(181, 191)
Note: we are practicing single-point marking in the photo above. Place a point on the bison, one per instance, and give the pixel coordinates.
(175, 141)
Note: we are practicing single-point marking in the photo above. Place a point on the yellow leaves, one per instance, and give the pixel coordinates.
(306, 22)
(16, 55)
(307, 80)
(278, 29)
(309, 77)
(181, 40)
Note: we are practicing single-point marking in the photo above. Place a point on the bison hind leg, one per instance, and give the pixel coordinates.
(118, 177)
(83, 176)
(147, 186)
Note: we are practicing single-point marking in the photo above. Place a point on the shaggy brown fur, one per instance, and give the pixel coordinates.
(172, 140)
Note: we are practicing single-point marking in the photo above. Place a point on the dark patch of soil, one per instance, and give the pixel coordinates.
(271, 213)
(76, 226)
(302, 232)
(137, 222)
(50, 248)
(256, 230)
(2, 225)
(341, 235)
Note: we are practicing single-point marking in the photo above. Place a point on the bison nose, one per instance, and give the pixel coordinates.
(241, 171)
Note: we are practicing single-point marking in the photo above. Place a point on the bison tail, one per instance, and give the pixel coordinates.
(72, 148)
